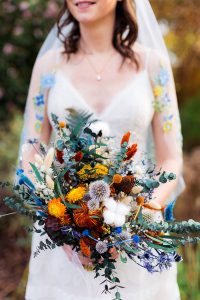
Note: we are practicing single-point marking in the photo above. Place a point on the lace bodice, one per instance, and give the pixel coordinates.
(130, 110)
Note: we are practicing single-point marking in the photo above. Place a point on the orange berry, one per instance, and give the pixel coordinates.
(117, 178)
(140, 200)
(62, 124)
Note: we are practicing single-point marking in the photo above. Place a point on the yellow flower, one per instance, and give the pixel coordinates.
(158, 90)
(76, 194)
(87, 172)
(167, 126)
(101, 170)
(56, 208)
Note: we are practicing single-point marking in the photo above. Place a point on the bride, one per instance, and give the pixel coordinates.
(107, 57)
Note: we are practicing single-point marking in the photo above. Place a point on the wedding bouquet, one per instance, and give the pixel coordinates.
(91, 195)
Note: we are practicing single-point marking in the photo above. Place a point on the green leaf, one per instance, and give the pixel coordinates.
(123, 259)
(72, 206)
(117, 295)
(37, 173)
(130, 249)
(165, 248)
(60, 145)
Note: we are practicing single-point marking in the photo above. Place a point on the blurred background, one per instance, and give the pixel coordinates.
(24, 25)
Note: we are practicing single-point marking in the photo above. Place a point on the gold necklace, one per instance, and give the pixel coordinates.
(98, 72)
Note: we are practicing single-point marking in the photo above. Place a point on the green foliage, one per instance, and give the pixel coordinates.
(26, 24)
(190, 119)
(17, 205)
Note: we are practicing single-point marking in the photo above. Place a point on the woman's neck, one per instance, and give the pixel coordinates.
(97, 37)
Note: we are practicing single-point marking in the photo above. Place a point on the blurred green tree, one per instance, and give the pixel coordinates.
(24, 24)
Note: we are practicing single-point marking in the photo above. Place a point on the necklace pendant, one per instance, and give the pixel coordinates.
(98, 77)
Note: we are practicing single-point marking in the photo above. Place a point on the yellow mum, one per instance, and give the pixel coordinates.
(76, 194)
(87, 172)
(158, 90)
(56, 208)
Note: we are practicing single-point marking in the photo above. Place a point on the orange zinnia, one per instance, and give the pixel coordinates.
(131, 151)
(126, 138)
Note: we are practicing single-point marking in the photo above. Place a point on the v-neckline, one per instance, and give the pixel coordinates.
(114, 98)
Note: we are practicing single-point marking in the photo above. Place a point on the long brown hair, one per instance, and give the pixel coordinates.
(122, 40)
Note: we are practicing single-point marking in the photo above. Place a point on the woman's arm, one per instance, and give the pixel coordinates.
(166, 125)
(36, 122)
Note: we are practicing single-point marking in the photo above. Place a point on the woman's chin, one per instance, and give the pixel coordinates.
(86, 19)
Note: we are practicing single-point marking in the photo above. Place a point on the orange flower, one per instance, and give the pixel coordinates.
(85, 249)
(83, 217)
(131, 151)
(126, 138)
(65, 220)
(56, 208)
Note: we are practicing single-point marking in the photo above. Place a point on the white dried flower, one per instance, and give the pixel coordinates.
(43, 169)
(93, 204)
(109, 216)
(137, 189)
(100, 126)
(38, 159)
(110, 204)
(49, 158)
(139, 170)
(50, 182)
(99, 190)
(101, 247)
(126, 200)
(122, 209)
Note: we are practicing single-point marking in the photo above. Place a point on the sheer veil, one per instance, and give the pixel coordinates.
(150, 36)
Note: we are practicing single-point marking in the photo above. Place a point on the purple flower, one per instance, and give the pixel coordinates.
(149, 267)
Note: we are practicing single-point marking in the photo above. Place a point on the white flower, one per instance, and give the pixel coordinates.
(122, 209)
(101, 247)
(99, 190)
(43, 169)
(115, 212)
(111, 204)
(38, 159)
(93, 204)
(139, 170)
(126, 200)
(100, 126)
(50, 182)
(49, 158)
(137, 189)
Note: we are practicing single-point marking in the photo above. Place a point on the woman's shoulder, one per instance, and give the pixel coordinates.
(48, 61)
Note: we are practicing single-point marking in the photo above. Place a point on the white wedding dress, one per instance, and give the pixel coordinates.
(51, 275)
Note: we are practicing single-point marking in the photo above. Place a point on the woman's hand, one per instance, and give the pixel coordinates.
(114, 253)
(83, 259)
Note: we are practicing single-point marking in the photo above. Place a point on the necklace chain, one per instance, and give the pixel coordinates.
(98, 72)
